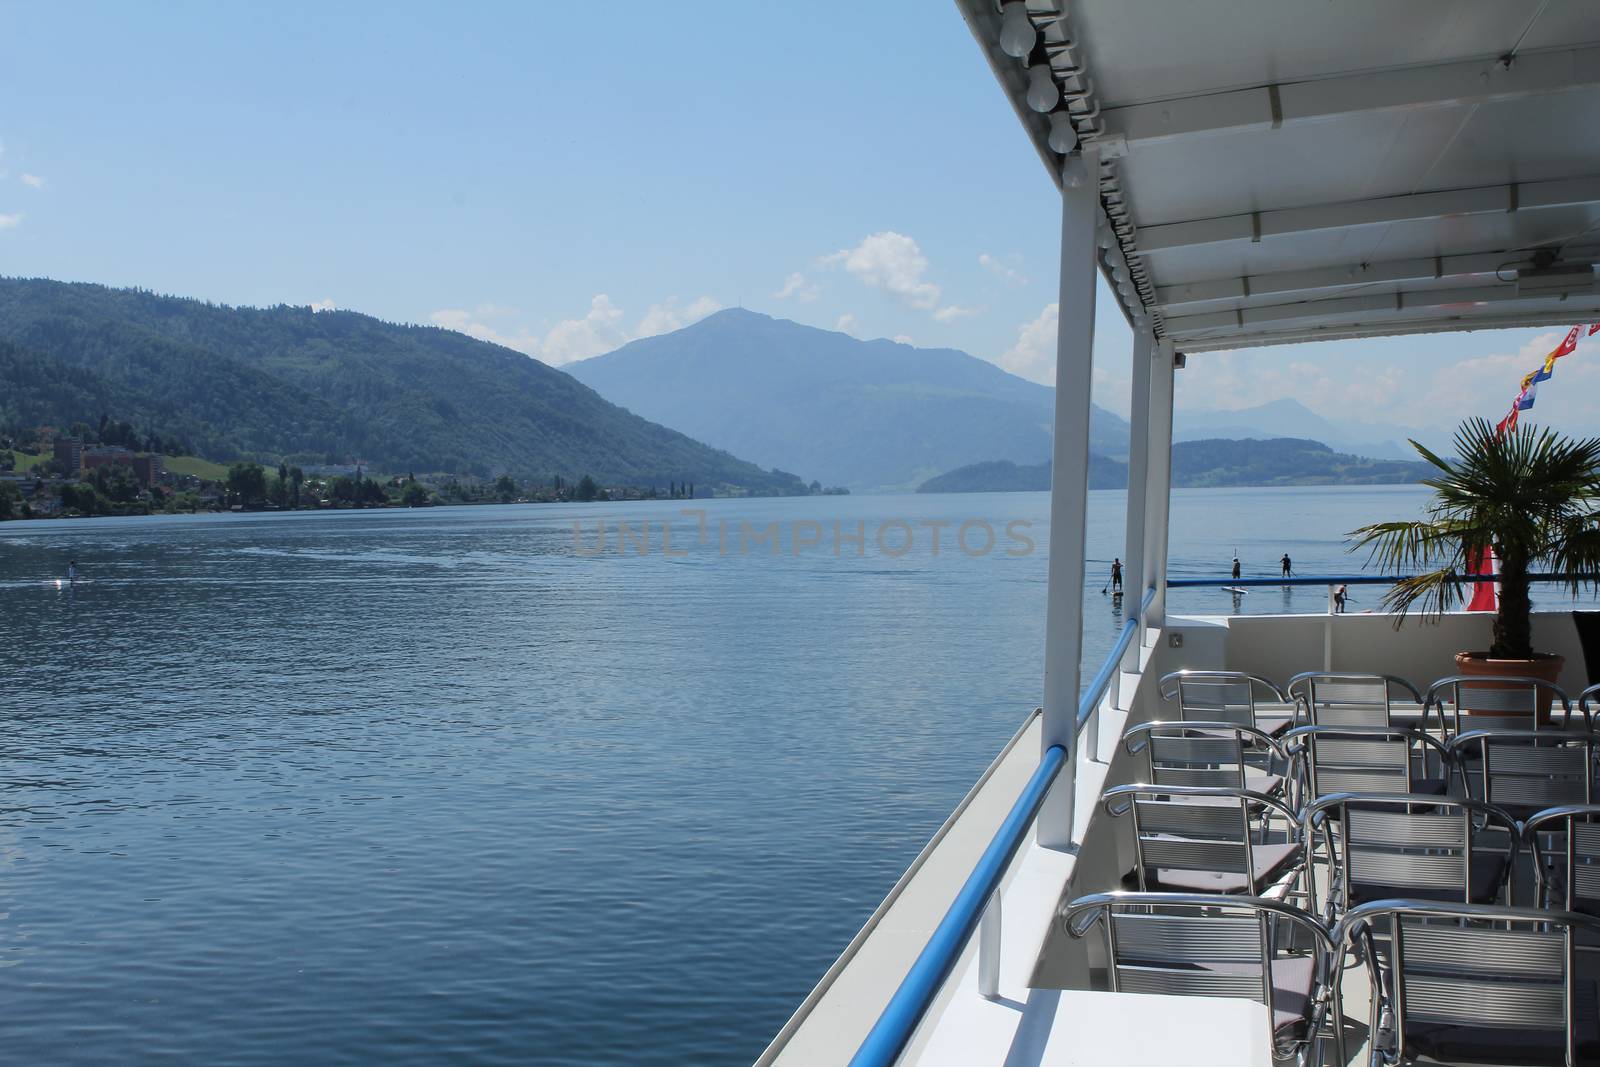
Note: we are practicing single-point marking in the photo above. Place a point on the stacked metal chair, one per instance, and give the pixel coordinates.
(1250, 789)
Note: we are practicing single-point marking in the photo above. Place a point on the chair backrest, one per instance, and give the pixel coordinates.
(1565, 842)
(1193, 828)
(1198, 753)
(1365, 759)
(1191, 944)
(1394, 845)
(1218, 696)
(1338, 699)
(1500, 701)
(1474, 984)
(1588, 701)
(1527, 770)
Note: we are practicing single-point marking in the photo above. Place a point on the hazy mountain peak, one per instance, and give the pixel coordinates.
(873, 414)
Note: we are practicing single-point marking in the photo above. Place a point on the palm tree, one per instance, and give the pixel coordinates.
(1530, 495)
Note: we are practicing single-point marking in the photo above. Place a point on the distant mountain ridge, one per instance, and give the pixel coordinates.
(1212, 463)
(1287, 417)
(270, 383)
(863, 414)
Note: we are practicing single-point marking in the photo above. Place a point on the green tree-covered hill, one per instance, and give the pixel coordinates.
(1200, 464)
(287, 382)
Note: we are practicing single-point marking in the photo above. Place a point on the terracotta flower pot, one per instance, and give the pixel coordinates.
(1545, 666)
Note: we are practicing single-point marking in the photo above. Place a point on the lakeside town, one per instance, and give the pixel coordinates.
(47, 474)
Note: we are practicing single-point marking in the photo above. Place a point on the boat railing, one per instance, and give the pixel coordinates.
(977, 905)
(1360, 579)
(1333, 581)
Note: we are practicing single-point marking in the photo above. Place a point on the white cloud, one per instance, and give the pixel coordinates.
(1386, 386)
(846, 324)
(599, 331)
(32, 180)
(1034, 355)
(324, 305)
(892, 262)
(994, 266)
(952, 312)
(11, 221)
(668, 316)
(797, 286)
(466, 322)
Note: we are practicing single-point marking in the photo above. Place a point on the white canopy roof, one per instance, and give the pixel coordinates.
(1286, 170)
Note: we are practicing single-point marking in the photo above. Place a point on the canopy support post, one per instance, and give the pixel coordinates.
(1158, 483)
(1135, 581)
(1069, 486)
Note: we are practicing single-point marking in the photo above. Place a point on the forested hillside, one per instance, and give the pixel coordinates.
(287, 382)
(1198, 465)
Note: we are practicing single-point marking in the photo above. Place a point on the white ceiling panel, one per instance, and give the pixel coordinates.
(1275, 169)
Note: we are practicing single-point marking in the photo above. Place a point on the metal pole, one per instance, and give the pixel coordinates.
(1158, 482)
(1069, 485)
(1133, 574)
(989, 949)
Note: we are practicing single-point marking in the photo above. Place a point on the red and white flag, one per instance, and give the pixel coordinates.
(1485, 594)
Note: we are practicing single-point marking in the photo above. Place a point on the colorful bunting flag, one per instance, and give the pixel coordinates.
(1529, 389)
(1485, 594)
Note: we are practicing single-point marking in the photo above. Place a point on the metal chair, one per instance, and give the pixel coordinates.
(1228, 696)
(1526, 771)
(1188, 944)
(1211, 754)
(1382, 845)
(1568, 879)
(1497, 702)
(1466, 984)
(1197, 839)
(1341, 699)
(1367, 759)
(1588, 700)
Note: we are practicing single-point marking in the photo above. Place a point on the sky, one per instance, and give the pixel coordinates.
(563, 178)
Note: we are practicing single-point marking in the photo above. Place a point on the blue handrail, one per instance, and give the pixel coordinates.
(1357, 579)
(892, 1032)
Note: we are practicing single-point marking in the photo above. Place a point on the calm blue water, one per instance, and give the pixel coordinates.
(432, 786)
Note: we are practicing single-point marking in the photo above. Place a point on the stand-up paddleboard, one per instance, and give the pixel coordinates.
(1236, 590)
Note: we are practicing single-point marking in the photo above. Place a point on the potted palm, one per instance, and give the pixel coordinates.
(1531, 496)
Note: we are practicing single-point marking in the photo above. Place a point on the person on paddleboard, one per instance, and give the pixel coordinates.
(1288, 565)
(72, 570)
(1116, 575)
(1236, 568)
(1340, 595)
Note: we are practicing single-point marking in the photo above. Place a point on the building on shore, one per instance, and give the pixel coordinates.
(149, 468)
(69, 453)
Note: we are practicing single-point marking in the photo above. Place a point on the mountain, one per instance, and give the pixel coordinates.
(287, 382)
(863, 414)
(1202, 464)
(1003, 476)
(1277, 418)
(1290, 418)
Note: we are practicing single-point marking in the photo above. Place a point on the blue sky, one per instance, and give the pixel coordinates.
(565, 177)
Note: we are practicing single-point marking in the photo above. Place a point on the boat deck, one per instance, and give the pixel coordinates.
(1046, 1008)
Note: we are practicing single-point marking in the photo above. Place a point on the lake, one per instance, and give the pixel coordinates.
(447, 785)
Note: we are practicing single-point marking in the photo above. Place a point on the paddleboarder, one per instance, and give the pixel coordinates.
(1288, 565)
(1116, 575)
(1236, 568)
(72, 570)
